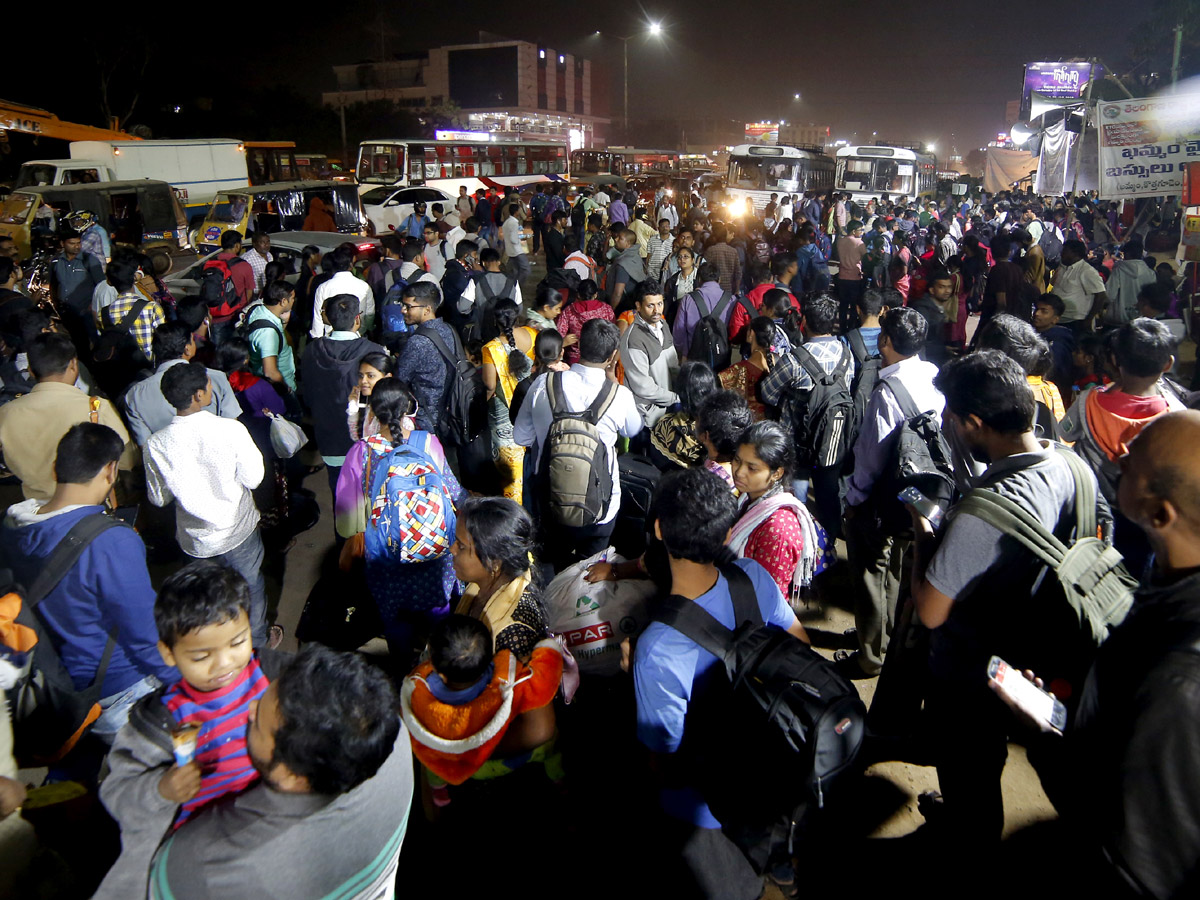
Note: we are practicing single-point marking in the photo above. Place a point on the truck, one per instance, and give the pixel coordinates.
(197, 169)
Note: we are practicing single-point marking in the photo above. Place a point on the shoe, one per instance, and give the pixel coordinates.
(847, 662)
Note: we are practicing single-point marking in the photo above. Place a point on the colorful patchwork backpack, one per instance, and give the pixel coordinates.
(411, 515)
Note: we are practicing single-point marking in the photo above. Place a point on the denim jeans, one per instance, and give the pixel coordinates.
(247, 559)
(115, 708)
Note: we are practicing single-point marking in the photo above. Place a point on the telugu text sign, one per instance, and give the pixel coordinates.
(1144, 145)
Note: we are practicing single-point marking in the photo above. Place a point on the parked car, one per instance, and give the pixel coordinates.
(388, 207)
(286, 247)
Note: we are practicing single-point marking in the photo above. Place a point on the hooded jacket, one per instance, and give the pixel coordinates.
(455, 732)
(1127, 278)
(328, 371)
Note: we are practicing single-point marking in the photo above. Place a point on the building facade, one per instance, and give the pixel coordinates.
(510, 88)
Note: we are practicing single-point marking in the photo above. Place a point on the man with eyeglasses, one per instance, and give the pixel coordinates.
(422, 363)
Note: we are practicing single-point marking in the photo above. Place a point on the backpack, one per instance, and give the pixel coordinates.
(246, 328)
(822, 429)
(1086, 590)
(575, 458)
(49, 714)
(1051, 246)
(116, 339)
(411, 514)
(579, 216)
(866, 376)
(553, 204)
(481, 324)
(781, 707)
(710, 337)
(464, 399)
(217, 287)
(762, 250)
(391, 310)
(920, 459)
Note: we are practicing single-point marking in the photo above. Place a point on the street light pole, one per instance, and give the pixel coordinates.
(625, 45)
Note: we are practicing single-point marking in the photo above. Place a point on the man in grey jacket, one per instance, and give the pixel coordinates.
(649, 357)
(327, 818)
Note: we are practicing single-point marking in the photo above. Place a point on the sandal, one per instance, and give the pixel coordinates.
(274, 636)
(785, 879)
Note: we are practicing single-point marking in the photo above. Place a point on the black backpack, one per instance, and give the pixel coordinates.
(920, 459)
(116, 339)
(575, 458)
(782, 707)
(710, 337)
(464, 401)
(1051, 247)
(822, 417)
(866, 376)
(49, 714)
(482, 325)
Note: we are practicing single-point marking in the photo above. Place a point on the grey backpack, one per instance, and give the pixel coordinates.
(1086, 590)
(575, 458)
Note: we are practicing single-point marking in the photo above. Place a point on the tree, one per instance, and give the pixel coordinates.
(120, 76)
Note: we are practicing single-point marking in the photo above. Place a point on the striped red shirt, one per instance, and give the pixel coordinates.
(223, 716)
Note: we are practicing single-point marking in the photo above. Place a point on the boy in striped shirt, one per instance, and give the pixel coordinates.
(158, 777)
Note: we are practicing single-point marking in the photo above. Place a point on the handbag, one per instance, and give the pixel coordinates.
(356, 545)
(286, 437)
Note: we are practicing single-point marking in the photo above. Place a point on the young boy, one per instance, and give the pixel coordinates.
(1047, 311)
(185, 745)
(1088, 361)
(460, 703)
(1154, 302)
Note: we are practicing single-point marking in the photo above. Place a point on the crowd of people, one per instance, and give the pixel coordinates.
(720, 400)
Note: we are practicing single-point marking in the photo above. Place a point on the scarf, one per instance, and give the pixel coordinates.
(497, 613)
(755, 512)
(631, 261)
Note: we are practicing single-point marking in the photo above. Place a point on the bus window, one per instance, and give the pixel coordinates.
(381, 163)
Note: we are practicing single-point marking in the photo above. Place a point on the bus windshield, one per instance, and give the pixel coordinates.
(763, 174)
(381, 163)
(876, 175)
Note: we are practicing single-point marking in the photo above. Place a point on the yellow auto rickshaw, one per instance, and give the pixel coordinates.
(327, 206)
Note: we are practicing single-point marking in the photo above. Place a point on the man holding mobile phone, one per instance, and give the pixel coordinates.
(974, 589)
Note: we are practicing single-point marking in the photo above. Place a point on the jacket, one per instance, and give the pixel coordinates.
(107, 591)
(456, 732)
(1101, 437)
(650, 363)
(140, 755)
(1134, 754)
(328, 371)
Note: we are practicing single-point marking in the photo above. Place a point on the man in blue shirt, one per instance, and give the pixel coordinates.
(696, 511)
(414, 225)
(73, 278)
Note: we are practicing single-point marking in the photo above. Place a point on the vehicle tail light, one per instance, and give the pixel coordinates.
(365, 246)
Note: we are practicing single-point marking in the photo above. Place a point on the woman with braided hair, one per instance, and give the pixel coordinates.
(411, 595)
(506, 360)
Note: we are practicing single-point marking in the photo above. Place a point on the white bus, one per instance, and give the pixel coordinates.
(413, 162)
(758, 170)
(879, 170)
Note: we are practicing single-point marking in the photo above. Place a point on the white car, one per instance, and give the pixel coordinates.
(388, 207)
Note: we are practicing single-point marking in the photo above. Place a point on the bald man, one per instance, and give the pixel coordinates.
(1135, 745)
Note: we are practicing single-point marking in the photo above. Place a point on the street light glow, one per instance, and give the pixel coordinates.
(656, 28)
(933, 148)
(796, 96)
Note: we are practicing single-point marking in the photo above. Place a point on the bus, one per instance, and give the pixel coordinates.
(881, 170)
(623, 162)
(268, 161)
(758, 170)
(415, 162)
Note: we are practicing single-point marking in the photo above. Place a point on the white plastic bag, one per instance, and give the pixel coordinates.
(593, 619)
(286, 437)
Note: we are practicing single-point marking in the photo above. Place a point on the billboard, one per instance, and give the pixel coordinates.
(484, 77)
(1057, 80)
(1144, 145)
(762, 132)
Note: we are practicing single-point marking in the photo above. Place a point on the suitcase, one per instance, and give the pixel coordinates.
(639, 477)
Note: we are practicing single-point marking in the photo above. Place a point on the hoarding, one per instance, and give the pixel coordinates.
(1145, 144)
(1057, 80)
(762, 132)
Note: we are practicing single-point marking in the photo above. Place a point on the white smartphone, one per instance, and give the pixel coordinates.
(1027, 696)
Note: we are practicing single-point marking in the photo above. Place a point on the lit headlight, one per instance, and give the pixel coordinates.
(736, 206)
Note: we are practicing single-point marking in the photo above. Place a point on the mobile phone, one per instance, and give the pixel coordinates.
(1027, 696)
(923, 505)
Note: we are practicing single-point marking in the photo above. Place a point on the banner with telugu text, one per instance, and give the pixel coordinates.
(1144, 145)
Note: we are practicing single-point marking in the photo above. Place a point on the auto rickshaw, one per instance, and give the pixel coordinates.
(283, 206)
(143, 215)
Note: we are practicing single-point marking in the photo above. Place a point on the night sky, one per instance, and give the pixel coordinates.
(911, 71)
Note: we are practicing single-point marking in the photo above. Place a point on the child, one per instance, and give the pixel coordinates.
(1166, 276)
(1154, 302)
(1048, 310)
(459, 705)
(1088, 360)
(185, 745)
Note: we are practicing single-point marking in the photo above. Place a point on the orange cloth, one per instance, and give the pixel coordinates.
(12, 635)
(453, 741)
(1112, 432)
(1049, 394)
(318, 219)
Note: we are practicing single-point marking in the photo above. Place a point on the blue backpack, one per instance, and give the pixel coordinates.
(391, 312)
(410, 514)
